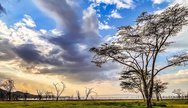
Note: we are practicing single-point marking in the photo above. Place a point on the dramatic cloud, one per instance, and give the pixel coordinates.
(81, 33)
(63, 50)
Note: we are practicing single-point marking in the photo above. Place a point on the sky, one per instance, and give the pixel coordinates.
(47, 41)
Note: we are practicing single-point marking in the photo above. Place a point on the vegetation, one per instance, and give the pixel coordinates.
(93, 104)
(138, 48)
(159, 88)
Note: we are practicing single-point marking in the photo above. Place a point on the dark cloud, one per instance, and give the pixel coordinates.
(86, 73)
(6, 52)
(64, 14)
(79, 31)
(2, 9)
(28, 53)
(71, 56)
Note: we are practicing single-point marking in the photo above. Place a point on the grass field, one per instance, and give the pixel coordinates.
(93, 104)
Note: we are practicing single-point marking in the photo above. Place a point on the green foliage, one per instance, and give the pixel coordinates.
(93, 104)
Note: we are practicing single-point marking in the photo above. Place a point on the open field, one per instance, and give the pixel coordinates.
(93, 104)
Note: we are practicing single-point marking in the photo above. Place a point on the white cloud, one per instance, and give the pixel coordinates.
(90, 21)
(183, 2)
(26, 21)
(22, 33)
(115, 14)
(119, 3)
(160, 1)
(103, 26)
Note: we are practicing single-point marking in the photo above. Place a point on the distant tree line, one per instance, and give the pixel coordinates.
(7, 92)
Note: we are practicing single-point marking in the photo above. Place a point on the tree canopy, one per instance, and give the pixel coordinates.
(138, 47)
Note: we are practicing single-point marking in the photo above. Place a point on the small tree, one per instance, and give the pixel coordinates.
(178, 92)
(131, 82)
(48, 94)
(58, 90)
(40, 93)
(78, 94)
(8, 85)
(25, 95)
(159, 88)
(88, 92)
(138, 47)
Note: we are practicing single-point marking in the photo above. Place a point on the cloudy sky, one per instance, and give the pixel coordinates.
(46, 41)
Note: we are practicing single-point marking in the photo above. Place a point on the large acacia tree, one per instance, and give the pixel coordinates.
(138, 47)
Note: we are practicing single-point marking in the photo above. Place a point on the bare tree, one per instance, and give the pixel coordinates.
(138, 47)
(178, 92)
(78, 94)
(159, 88)
(48, 94)
(58, 90)
(40, 93)
(8, 85)
(88, 92)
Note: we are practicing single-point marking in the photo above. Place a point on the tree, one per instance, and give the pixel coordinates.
(159, 88)
(78, 95)
(8, 85)
(131, 82)
(138, 47)
(40, 93)
(25, 95)
(48, 95)
(178, 92)
(88, 92)
(59, 91)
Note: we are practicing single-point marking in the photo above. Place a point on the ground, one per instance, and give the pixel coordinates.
(93, 104)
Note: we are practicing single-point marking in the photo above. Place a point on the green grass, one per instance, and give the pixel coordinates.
(93, 104)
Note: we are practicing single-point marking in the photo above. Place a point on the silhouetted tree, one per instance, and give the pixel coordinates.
(159, 88)
(2, 94)
(8, 85)
(58, 90)
(25, 95)
(78, 95)
(178, 92)
(48, 94)
(39, 93)
(138, 47)
(88, 92)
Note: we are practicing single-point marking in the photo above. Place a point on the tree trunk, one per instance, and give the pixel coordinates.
(150, 93)
(9, 96)
(143, 96)
(149, 104)
(157, 96)
(160, 97)
(57, 98)
(147, 97)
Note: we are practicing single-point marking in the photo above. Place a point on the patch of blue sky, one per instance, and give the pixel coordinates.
(16, 9)
(128, 15)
